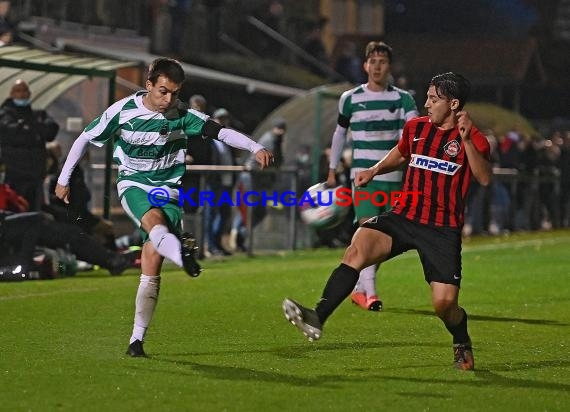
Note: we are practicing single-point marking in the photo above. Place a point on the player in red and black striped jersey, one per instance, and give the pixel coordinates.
(438, 168)
(444, 151)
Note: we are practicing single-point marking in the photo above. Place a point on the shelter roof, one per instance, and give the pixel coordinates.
(49, 73)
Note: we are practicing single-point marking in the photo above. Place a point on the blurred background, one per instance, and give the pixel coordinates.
(516, 52)
(262, 59)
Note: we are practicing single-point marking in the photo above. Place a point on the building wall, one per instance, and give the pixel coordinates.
(351, 17)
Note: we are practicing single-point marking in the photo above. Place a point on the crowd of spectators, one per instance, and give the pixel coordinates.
(531, 185)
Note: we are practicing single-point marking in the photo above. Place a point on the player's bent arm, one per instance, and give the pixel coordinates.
(73, 157)
(480, 166)
(231, 137)
(392, 161)
(337, 144)
(240, 141)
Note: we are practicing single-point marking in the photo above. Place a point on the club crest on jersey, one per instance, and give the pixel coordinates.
(433, 164)
(452, 148)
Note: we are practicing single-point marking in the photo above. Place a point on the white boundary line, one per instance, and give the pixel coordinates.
(466, 249)
(516, 244)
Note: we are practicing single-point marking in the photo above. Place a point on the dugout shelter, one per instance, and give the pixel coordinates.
(50, 74)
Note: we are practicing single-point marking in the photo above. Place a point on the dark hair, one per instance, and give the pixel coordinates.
(452, 86)
(169, 68)
(377, 47)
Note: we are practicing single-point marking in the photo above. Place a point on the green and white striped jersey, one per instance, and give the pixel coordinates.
(150, 149)
(376, 123)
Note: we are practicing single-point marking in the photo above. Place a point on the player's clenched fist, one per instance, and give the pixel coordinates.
(363, 177)
(464, 124)
(264, 158)
(62, 192)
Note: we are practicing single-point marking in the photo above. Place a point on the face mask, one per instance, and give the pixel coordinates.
(21, 102)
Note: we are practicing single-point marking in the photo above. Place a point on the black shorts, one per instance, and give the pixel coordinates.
(439, 248)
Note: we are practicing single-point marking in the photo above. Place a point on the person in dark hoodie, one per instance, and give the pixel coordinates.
(21, 231)
(24, 133)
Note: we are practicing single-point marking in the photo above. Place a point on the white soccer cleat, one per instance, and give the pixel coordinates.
(306, 320)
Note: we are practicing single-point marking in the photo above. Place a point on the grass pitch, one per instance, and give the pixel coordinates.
(221, 343)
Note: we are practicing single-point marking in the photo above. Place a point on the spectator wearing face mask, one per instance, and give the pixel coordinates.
(24, 133)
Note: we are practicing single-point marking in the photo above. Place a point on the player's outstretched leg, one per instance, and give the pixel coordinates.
(305, 319)
(462, 349)
(337, 289)
(189, 251)
(145, 305)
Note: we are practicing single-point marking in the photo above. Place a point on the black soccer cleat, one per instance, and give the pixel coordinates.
(463, 356)
(13, 273)
(305, 319)
(189, 250)
(136, 350)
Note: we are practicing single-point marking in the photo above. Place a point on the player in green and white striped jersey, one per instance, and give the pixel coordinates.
(375, 112)
(150, 151)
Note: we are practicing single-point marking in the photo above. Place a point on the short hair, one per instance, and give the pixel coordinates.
(452, 86)
(377, 47)
(167, 67)
(221, 112)
(197, 99)
(280, 123)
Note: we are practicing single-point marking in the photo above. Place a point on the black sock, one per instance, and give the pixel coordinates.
(341, 282)
(459, 331)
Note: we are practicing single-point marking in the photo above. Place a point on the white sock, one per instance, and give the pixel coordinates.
(145, 303)
(166, 243)
(367, 281)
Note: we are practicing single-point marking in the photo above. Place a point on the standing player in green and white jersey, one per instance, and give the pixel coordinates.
(375, 112)
(150, 151)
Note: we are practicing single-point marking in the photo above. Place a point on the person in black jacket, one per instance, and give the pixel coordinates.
(77, 212)
(23, 136)
(21, 231)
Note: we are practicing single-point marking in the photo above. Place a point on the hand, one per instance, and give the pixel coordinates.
(363, 177)
(331, 179)
(464, 124)
(264, 158)
(62, 192)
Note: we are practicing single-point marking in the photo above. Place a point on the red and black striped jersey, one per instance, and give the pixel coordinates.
(439, 170)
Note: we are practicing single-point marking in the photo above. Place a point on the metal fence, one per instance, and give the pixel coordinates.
(526, 200)
(281, 229)
(517, 201)
(288, 181)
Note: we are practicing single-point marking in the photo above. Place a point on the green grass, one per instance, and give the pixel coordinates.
(220, 342)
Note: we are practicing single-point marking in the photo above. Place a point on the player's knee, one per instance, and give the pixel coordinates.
(443, 307)
(354, 257)
(151, 259)
(350, 254)
(153, 217)
(367, 247)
